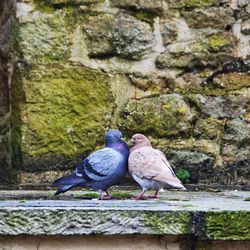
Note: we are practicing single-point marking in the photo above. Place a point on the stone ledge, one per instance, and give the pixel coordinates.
(204, 215)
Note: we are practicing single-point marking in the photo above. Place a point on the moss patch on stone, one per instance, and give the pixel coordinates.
(217, 42)
(144, 16)
(164, 223)
(44, 38)
(209, 128)
(228, 225)
(233, 81)
(162, 115)
(197, 3)
(66, 112)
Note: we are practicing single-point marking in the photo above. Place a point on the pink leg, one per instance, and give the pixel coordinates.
(141, 196)
(155, 196)
(105, 195)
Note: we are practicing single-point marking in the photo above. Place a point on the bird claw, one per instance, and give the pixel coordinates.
(152, 196)
(105, 197)
(140, 197)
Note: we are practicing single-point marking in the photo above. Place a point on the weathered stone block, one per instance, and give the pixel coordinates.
(245, 27)
(169, 31)
(163, 115)
(211, 17)
(154, 82)
(227, 225)
(235, 143)
(122, 36)
(220, 106)
(44, 37)
(156, 6)
(232, 81)
(191, 4)
(199, 165)
(72, 2)
(209, 128)
(208, 51)
(65, 113)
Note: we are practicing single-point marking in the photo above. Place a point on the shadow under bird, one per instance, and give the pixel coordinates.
(150, 168)
(101, 169)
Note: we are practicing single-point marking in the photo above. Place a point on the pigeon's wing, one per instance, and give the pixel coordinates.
(100, 165)
(152, 164)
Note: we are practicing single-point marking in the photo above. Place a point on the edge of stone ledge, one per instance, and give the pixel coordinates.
(203, 225)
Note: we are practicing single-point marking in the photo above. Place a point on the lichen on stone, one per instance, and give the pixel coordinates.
(228, 225)
(65, 113)
(163, 115)
(168, 223)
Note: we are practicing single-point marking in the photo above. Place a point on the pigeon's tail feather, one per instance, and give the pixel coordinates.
(71, 179)
(67, 182)
(63, 189)
(176, 184)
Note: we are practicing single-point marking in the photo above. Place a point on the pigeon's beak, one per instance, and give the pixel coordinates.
(131, 142)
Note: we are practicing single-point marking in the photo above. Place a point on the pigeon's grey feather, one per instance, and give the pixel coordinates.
(101, 169)
(102, 164)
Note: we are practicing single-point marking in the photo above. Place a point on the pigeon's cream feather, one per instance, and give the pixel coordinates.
(149, 163)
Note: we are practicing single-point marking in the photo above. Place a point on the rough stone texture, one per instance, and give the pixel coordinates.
(203, 215)
(164, 115)
(122, 35)
(236, 146)
(146, 5)
(43, 37)
(221, 106)
(211, 17)
(200, 166)
(73, 106)
(175, 70)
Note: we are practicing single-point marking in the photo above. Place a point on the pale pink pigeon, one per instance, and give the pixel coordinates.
(149, 167)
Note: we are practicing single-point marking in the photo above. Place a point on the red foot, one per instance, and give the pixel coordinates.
(105, 197)
(140, 197)
(152, 196)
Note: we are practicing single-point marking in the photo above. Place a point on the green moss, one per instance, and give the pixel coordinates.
(209, 128)
(50, 193)
(228, 225)
(217, 42)
(163, 115)
(50, 5)
(247, 199)
(16, 220)
(65, 114)
(197, 3)
(144, 16)
(122, 194)
(88, 195)
(164, 223)
(176, 199)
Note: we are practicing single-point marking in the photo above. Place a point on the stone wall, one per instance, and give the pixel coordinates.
(7, 47)
(177, 71)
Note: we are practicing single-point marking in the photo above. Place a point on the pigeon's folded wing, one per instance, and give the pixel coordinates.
(150, 163)
(100, 165)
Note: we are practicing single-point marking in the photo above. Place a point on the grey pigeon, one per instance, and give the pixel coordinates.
(149, 167)
(101, 169)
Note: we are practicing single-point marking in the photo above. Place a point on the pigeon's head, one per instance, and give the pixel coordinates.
(140, 140)
(113, 135)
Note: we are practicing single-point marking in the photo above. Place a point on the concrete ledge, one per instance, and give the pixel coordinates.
(206, 216)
